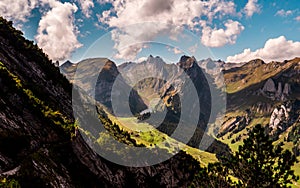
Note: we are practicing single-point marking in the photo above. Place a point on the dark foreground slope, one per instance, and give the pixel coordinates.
(38, 144)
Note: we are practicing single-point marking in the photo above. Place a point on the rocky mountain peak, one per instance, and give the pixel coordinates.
(208, 59)
(205, 60)
(111, 67)
(156, 59)
(123, 65)
(211, 66)
(68, 63)
(91, 67)
(187, 62)
(255, 63)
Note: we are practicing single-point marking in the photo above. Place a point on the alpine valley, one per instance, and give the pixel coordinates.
(43, 133)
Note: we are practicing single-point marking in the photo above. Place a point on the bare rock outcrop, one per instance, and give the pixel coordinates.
(269, 86)
(282, 117)
(280, 94)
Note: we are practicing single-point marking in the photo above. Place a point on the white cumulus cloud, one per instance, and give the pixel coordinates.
(141, 59)
(143, 20)
(251, 8)
(284, 13)
(175, 50)
(220, 37)
(277, 49)
(17, 10)
(86, 6)
(57, 34)
(193, 48)
(297, 18)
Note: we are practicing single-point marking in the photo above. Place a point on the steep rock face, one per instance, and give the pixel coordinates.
(283, 116)
(38, 144)
(68, 69)
(66, 65)
(281, 93)
(173, 91)
(97, 77)
(235, 124)
(174, 85)
(278, 116)
(110, 77)
(179, 92)
(269, 86)
(196, 75)
(150, 79)
(169, 82)
(286, 89)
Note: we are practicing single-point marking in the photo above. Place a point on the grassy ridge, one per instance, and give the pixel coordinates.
(254, 72)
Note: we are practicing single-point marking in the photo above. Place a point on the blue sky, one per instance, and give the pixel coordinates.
(130, 30)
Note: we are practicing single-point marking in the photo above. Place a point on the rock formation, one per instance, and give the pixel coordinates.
(287, 89)
(280, 118)
(281, 93)
(269, 86)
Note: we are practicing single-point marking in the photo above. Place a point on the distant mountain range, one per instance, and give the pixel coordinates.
(43, 142)
(256, 92)
(98, 77)
(163, 87)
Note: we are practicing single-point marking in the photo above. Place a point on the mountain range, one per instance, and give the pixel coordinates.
(170, 91)
(191, 112)
(255, 91)
(40, 144)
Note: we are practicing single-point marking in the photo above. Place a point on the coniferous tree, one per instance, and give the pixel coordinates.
(257, 163)
(214, 175)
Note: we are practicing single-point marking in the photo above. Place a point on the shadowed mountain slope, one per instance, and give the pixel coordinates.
(39, 144)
